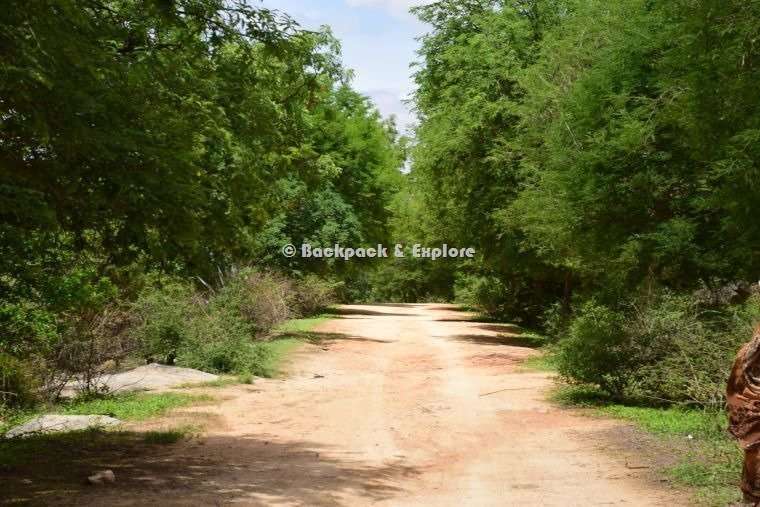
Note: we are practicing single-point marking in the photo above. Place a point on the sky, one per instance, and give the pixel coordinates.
(377, 41)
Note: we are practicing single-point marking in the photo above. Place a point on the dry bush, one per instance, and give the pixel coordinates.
(93, 345)
(263, 298)
(313, 295)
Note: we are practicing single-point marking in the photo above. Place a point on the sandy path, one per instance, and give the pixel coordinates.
(398, 410)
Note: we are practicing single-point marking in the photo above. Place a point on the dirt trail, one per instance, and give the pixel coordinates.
(405, 405)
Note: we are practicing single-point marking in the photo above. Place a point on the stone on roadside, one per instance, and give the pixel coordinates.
(102, 477)
(149, 377)
(53, 423)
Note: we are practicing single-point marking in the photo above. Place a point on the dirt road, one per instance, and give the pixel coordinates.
(405, 405)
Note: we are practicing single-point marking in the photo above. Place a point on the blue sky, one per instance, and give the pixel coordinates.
(377, 39)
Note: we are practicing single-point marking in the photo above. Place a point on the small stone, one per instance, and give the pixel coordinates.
(102, 477)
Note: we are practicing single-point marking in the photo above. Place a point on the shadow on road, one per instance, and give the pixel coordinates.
(512, 340)
(397, 305)
(317, 338)
(211, 471)
(500, 328)
(359, 311)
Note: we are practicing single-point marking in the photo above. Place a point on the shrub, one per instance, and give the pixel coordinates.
(693, 351)
(502, 298)
(555, 321)
(167, 316)
(313, 295)
(17, 384)
(488, 293)
(93, 343)
(663, 349)
(262, 298)
(216, 331)
(594, 348)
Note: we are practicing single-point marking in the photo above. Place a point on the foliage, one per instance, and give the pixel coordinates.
(217, 330)
(599, 155)
(227, 329)
(314, 295)
(594, 348)
(145, 140)
(663, 350)
(262, 299)
(17, 384)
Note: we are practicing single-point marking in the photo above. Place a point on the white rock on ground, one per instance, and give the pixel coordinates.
(102, 477)
(56, 423)
(147, 378)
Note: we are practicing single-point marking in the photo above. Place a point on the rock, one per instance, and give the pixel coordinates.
(56, 423)
(102, 477)
(146, 378)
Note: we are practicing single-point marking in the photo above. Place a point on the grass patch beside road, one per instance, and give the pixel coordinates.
(126, 407)
(169, 436)
(707, 460)
(57, 447)
(288, 337)
(302, 325)
(544, 362)
(131, 406)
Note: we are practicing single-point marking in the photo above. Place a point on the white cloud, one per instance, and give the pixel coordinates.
(395, 7)
(391, 102)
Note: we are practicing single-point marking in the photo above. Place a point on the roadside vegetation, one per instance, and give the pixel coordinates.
(135, 407)
(125, 407)
(691, 447)
(156, 157)
(701, 454)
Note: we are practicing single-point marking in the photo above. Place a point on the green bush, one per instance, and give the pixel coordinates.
(555, 321)
(487, 293)
(17, 383)
(168, 316)
(500, 297)
(220, 329)
(692, 350)
(593, 351)
(663, 349)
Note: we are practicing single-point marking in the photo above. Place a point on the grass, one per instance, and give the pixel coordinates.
(126, 407)
(17, 451)
(60, 448)
(302, 325)
(57, 447)
(131, 406)
(707, 460)
(222, 381)
(544, 362)
(289, 336)
(169, 436)
(277, 350)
